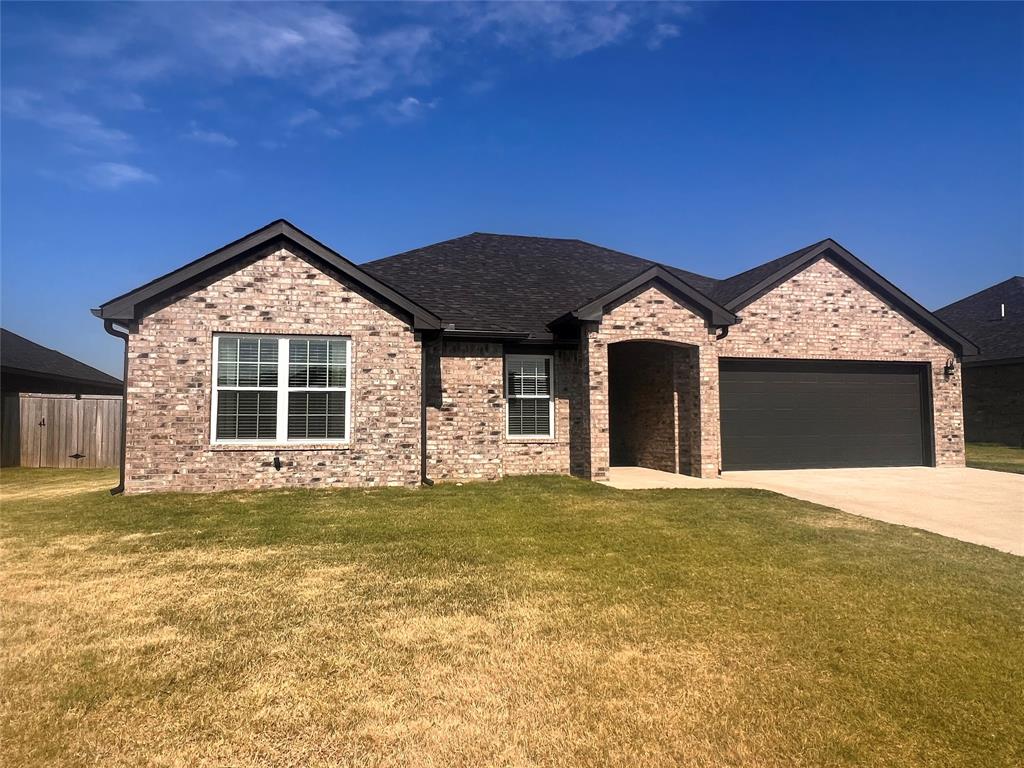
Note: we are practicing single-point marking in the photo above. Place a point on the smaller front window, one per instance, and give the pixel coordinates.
(528, 392)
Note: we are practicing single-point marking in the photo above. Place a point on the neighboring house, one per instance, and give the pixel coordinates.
(57, 411)
(274, 361)
(994, 379)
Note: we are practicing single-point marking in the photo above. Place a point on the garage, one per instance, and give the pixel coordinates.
(800, 414)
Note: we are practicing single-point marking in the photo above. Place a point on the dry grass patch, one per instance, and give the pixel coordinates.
(525, 623)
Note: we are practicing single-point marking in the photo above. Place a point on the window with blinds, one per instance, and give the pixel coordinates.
(528, 388)
(280, 389)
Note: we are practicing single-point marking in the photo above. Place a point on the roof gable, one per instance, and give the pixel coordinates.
(668, 282)
(784, 268)
(131, 306)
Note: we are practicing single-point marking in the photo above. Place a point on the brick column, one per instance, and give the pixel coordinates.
(596, 351)
(707, 456)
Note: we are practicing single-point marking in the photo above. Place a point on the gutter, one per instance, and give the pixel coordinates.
(424, 480)
(108, 326)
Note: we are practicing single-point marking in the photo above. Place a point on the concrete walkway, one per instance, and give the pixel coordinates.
(972, 505)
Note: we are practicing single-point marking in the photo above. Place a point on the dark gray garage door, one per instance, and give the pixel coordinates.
(788, 414)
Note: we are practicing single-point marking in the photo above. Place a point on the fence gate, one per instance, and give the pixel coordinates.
(68, 431)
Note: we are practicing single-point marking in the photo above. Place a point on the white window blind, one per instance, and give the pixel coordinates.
(280, 389)
(530, 406)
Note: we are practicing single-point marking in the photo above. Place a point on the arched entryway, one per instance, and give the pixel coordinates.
(654, 406)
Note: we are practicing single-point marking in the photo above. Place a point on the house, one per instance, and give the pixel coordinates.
(993, 381)
(274, 361)
(56, 410)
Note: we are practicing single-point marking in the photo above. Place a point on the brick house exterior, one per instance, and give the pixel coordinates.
(628, 361)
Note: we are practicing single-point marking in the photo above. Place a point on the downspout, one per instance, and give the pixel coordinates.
(108, 326)
(424, 480)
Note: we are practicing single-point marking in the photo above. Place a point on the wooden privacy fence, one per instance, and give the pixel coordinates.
(64, 431)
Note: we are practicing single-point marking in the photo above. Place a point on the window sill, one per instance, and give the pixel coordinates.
(279, 447)
(531, 440)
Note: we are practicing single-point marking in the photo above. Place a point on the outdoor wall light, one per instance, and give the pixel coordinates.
(950, 370)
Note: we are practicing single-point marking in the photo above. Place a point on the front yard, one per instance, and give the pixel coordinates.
(542, 621)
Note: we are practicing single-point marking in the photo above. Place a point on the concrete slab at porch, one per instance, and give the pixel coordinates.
(973, 505)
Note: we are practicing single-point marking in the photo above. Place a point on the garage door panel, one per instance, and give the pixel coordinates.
(790, 414)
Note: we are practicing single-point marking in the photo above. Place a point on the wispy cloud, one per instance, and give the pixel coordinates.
(110, 68)
(405, 110)
(564, 30)
(116, 175)
(216, 138)
(79, 130)
(304, 116)
(662, 33)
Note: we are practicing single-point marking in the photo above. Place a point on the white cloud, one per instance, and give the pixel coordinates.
(116, 175)
(216, 138)
(302, 117)
(80, 129)
(662, 33)
(405, 110)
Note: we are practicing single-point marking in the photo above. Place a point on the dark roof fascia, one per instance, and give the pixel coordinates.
(832, 249)
(127, 307)
(716, 314)
(969, 363)
(482, 334)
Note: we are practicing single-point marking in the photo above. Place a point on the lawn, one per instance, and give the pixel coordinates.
(1001, 458)
(543, 621)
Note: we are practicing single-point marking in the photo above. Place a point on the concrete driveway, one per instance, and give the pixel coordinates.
(973, 505)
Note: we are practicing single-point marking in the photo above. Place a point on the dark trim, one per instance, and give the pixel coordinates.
(129, 306)
(928, 415)
(715, 314)
(108, 326)
(830, 249)
(469, 333)
(968, 363)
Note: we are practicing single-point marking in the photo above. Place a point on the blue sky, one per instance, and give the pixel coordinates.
(710, 136)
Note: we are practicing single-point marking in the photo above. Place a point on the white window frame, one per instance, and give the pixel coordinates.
(509, 358)
(283, 390)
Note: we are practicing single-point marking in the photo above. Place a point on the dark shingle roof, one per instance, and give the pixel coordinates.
(978, 318)
(728, 289)
(17, 352)
(513, 283)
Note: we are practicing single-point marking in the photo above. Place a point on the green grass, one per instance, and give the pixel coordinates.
(543, 621)
(1001, 458)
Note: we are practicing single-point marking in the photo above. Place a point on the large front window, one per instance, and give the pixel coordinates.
(528, 392)
(280, 389)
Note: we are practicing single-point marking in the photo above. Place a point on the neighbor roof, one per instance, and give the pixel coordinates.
(19, 355)
(979, 317)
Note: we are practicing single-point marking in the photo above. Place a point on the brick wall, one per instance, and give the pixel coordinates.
(819, 313)
(466, 420)
(648, 314)
(170, 379)
(822, 313)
